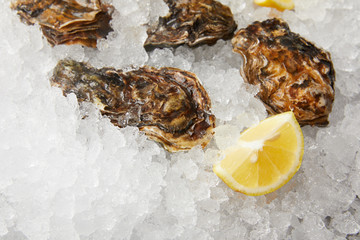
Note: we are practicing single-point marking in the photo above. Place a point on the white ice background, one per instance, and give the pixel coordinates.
(63, 177)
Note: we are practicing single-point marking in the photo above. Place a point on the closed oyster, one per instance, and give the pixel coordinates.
(192, 22)
(67, 21)
(292, 73)
(168, 104)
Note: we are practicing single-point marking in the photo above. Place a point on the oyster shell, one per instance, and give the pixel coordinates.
(192, 22)
(168, 104)
(67, 21)
(292, 73)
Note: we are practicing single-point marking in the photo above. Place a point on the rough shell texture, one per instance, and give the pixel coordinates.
(291, 72)
(67, 21)
(168, 104)
(192, 22)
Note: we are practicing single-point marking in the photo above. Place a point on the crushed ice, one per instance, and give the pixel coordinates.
(63, 176)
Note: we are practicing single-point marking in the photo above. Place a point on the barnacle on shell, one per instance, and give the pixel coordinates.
(67, 21)
(192, 22)
(168, 104)
(292, 73)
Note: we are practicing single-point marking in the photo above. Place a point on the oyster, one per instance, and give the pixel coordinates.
(67, 21)
(292, 73)
(192, 22)
(168, 104)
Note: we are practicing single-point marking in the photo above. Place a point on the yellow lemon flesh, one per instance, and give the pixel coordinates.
(265, 157)
(280, 5)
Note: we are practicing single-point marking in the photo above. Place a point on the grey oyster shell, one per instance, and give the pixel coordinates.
(169, 105)
(292, 73)
(67, 21)
(191, 22)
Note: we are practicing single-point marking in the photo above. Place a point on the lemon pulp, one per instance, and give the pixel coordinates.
(280, 5)
(265, 158)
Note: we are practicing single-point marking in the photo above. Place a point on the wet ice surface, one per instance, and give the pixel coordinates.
(67, 177)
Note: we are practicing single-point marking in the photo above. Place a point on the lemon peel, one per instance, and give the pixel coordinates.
(280, 5)
(265, 157)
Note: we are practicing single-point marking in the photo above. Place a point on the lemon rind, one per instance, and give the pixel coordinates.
(233, 184)
(278, 6)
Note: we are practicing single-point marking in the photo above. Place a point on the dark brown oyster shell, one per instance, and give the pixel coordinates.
(168, 104)
(67, 21)
(192, 22)
(293, 74)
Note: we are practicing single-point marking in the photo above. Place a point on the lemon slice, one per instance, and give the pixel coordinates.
(280, 5)
(265, 157)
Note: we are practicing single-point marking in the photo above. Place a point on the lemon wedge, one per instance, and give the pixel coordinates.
(265, 157)
(280, 5)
